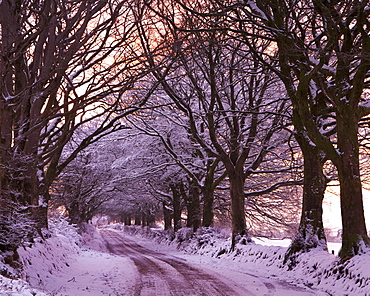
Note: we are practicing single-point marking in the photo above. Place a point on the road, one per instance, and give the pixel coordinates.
(163, 275)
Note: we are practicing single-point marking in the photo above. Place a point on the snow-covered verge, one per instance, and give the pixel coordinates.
(316, 268)
(42, 257)
(68, 263)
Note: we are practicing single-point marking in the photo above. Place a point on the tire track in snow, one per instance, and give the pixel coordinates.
(163, 275)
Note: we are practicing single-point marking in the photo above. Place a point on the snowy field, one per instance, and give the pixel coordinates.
(65, 266)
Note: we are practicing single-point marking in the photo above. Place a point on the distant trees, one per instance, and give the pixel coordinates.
(109, 177)
(84, 185)
(173, 155)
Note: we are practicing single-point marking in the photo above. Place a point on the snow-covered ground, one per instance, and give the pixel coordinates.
(332, 247)
(65, 266)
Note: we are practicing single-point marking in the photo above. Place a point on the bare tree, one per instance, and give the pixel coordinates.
(222, 91)
(324, 61)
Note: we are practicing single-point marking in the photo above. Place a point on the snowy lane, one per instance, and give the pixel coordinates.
(162, 270)
(164, 275)
(141, 267)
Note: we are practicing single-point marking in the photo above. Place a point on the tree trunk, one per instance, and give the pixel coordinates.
(193, 206)
(354, 233)
(176, 202)
(41, 214)
(9, 28)
(151, 220)
(137, 218)
(74, 213)
(5, 143)
(167, 216)
(311, 229)
(237, 206)
(208, 200)
(127, 219)
(144, 219)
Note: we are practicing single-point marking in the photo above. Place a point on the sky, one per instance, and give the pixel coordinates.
(331, 209)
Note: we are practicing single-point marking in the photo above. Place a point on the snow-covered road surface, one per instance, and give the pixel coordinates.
(163, 274)
(166, 275)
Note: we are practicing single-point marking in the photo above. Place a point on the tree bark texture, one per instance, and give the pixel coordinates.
(237, 206)
(311, 232)
(354, 233)
(167, 216)
(193, 207)
(176, 203)
(208, 201)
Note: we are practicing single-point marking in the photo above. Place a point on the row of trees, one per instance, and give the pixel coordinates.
(64, 64)
(232, 95)
(318, 51)
(132, 178)
(323, 60)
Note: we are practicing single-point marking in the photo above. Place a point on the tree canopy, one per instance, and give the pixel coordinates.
(185, 112)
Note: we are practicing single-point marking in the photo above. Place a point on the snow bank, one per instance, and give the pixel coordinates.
(74, 262)
(92, 239)
(9, 287)
(43, 258)
(316, 268)
(320, 269)
(53, 255)
(70, 262)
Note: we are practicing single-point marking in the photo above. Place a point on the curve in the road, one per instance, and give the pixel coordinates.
(163, 275)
